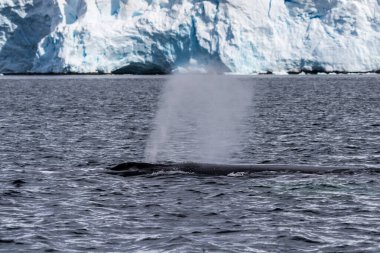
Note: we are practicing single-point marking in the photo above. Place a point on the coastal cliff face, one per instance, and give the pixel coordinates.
(161, 36)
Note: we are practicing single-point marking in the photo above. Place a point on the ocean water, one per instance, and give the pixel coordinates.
(58, 135)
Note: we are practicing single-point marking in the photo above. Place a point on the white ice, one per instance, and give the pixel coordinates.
(238, 36)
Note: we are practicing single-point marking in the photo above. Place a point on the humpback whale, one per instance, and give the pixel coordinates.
(140, 168)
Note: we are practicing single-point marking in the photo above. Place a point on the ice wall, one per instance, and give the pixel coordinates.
(161, 36)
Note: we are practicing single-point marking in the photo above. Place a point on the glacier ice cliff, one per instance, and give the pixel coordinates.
(161, 36)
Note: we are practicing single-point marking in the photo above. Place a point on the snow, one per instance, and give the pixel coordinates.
(162, 36)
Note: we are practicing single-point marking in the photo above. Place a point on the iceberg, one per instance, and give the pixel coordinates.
(164, 36)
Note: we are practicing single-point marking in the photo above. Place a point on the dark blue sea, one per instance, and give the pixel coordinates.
(59, 134)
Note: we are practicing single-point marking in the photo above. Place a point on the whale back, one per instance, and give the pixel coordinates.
(141, 168)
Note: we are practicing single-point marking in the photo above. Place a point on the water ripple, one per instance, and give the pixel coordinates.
(58, 134)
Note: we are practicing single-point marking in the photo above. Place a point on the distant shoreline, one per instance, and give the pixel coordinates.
(294, 73)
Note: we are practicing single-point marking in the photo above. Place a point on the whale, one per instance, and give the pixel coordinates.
(143, 168)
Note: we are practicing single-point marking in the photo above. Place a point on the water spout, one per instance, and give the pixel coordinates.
(199, 119)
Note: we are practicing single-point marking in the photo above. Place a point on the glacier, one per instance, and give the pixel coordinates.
(164, 36)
